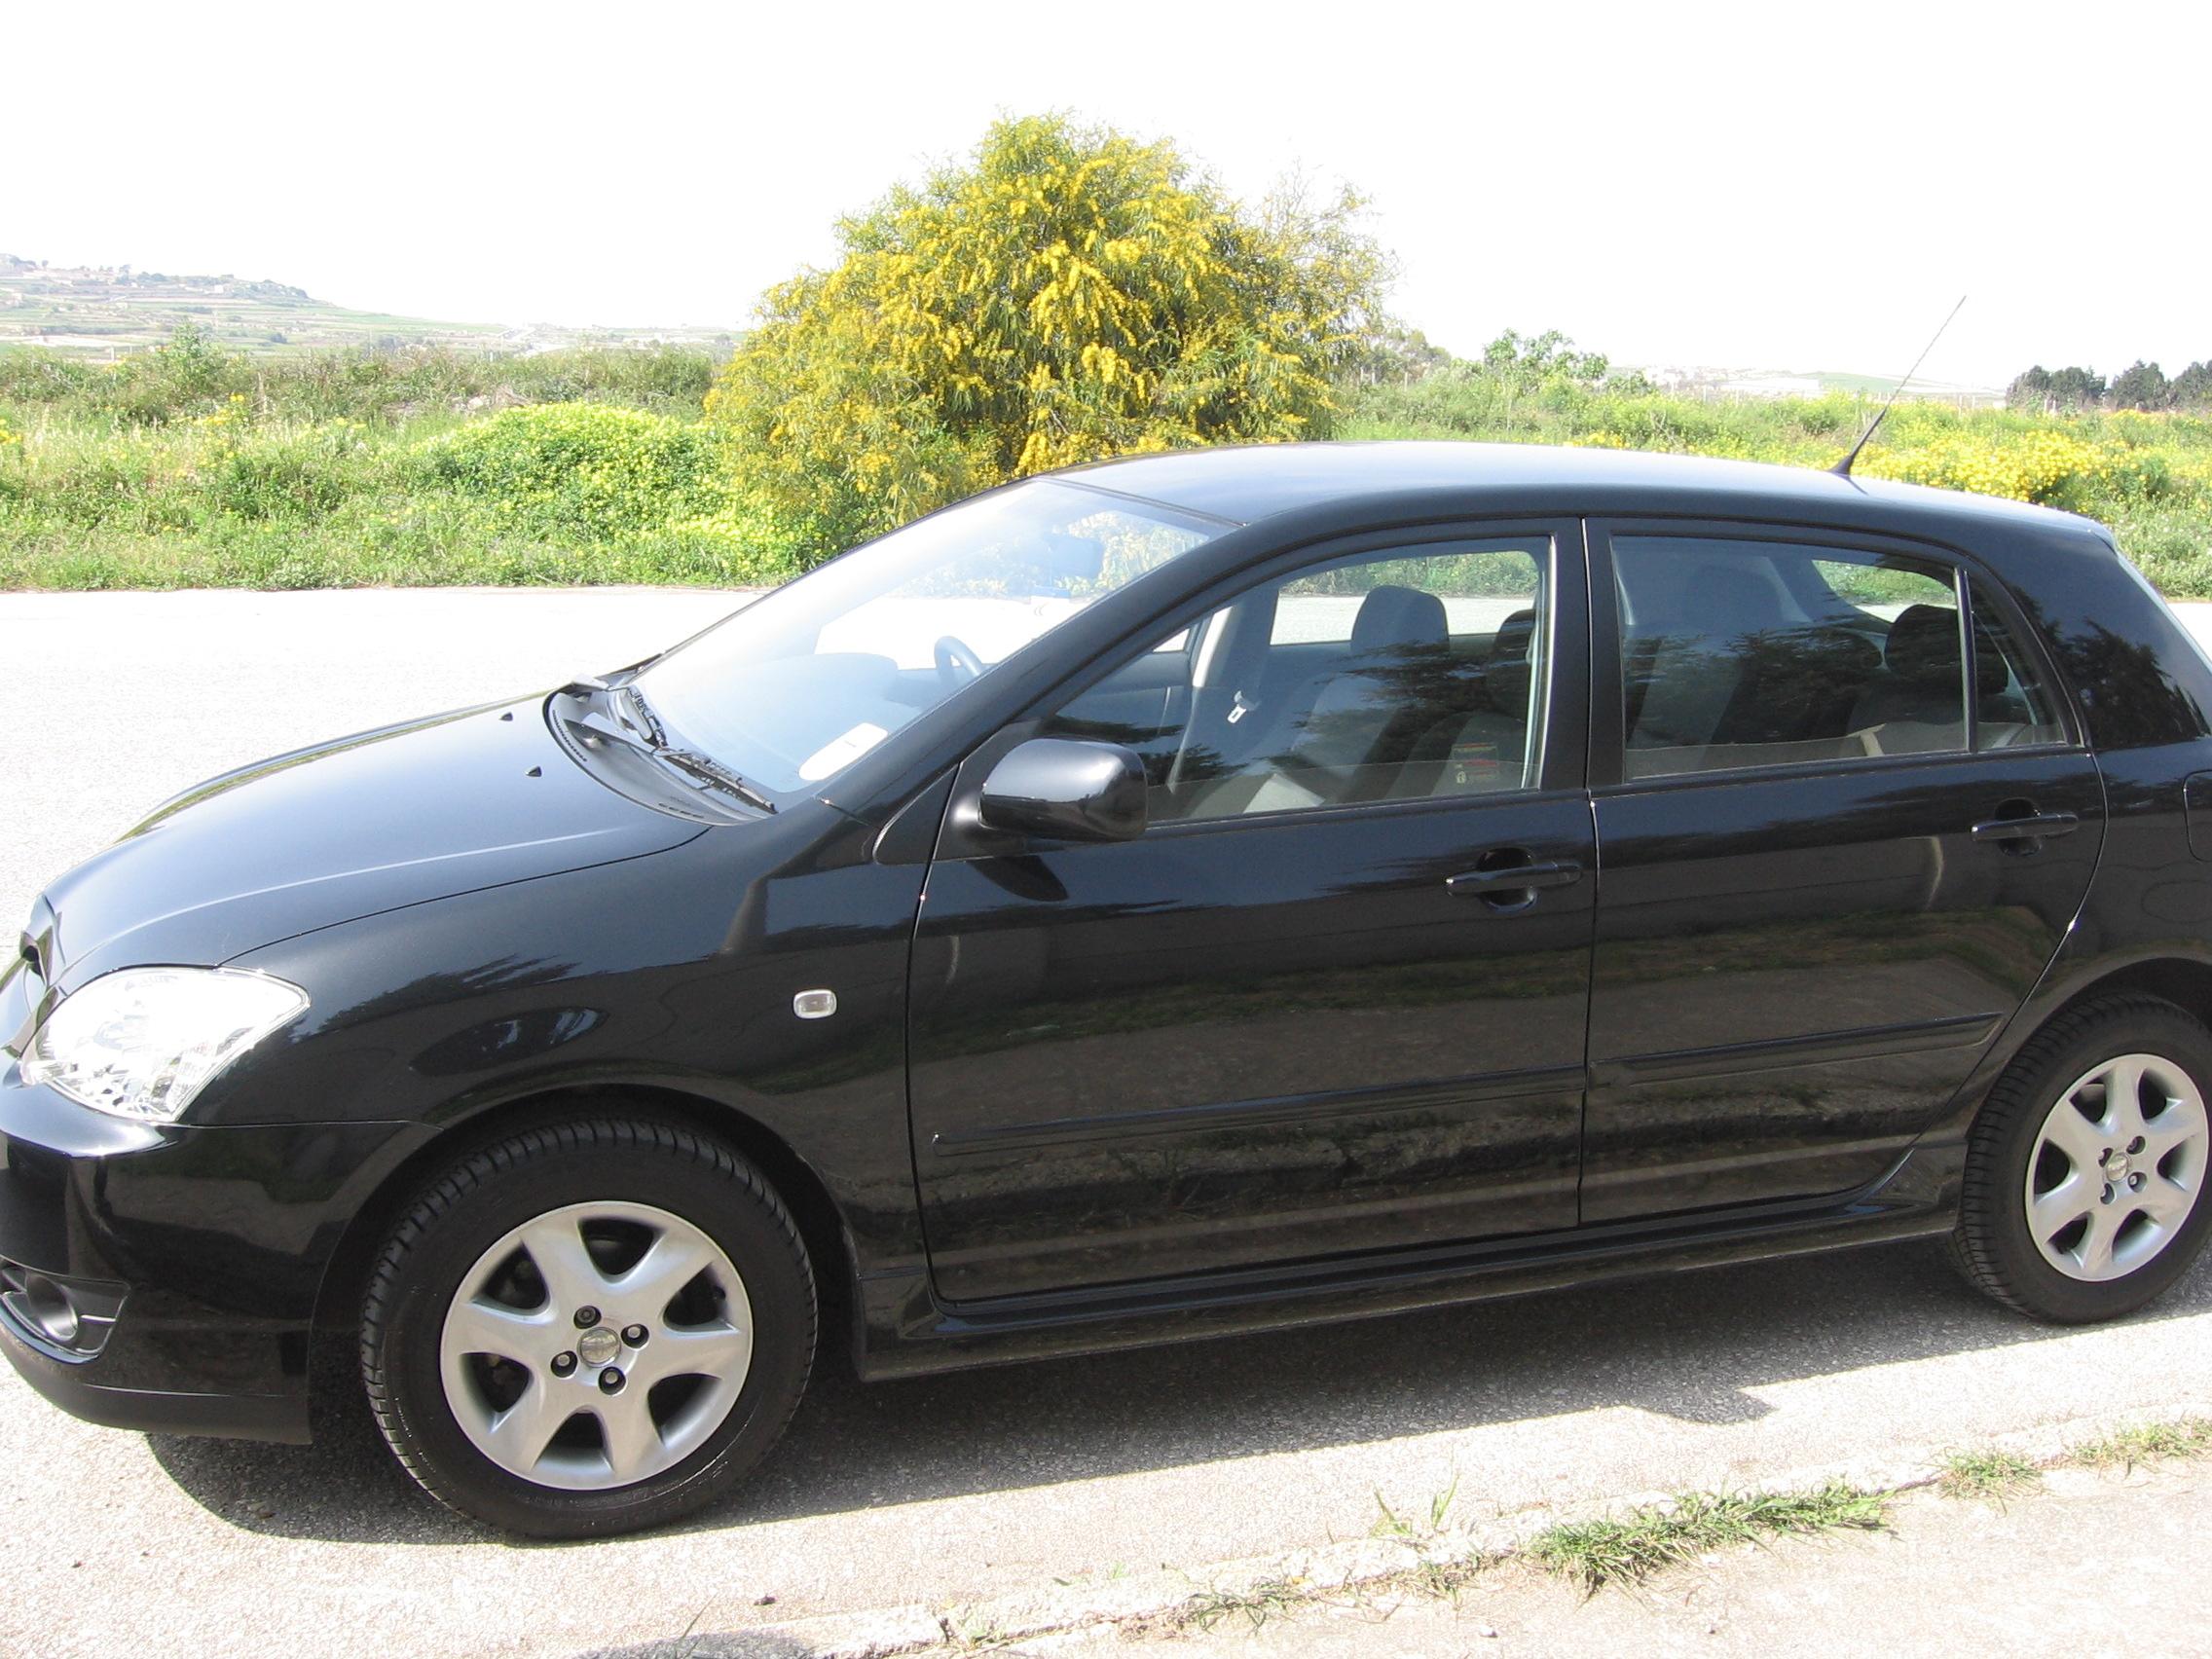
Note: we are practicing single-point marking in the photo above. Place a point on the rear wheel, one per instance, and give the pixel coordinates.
(588, 1328)
(2085, 1172)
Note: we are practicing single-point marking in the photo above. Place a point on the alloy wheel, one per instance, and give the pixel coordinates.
(596, 1345)
(2116, 1167)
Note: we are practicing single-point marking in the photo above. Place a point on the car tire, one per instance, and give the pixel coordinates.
(2051, 1133)
(472, 1355)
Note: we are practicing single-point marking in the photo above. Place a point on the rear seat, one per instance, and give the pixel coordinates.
(1485, 748)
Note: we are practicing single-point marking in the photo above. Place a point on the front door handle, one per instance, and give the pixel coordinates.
(1513, 881)
(2028, 827)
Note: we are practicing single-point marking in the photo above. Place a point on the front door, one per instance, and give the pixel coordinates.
(1847, 827)
(1314, 1010)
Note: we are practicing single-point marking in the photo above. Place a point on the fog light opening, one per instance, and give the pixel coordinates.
(75, 1315)
(46, 1309)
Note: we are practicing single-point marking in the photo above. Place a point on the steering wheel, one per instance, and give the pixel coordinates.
(956, 661)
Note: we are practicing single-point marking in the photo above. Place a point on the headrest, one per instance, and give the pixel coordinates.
(1924, 643)
(1506, 676)
(1394, 617)
(1511, 642)
(1842, 653)
(1990, 673)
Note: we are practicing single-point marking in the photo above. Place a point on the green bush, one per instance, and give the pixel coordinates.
(289, 473)
(588, 468)
(597, 473)
(191, 374)
(33, 374)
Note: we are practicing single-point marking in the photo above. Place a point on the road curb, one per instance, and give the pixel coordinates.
(1335, 1567)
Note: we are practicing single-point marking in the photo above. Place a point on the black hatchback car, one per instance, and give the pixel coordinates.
(1172, 896)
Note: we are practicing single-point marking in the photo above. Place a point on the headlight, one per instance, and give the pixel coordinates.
(142, 1042)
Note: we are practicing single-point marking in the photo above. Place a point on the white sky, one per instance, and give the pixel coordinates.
(1781, 186)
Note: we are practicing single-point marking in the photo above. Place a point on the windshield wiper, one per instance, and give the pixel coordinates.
(714, 772)
(633, 713)
(644, 718)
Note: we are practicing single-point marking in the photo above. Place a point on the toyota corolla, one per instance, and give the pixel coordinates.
(1168, 898)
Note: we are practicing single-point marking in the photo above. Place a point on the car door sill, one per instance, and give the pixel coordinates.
(1914, 1196)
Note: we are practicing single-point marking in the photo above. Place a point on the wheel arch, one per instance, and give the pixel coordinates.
(821, 1224)
(2186, 981)
(1993, 1243)
(2169, 971)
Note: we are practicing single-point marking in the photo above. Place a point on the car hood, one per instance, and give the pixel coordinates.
(384, 819)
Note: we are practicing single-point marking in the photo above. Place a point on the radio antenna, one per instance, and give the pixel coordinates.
(1842, 469)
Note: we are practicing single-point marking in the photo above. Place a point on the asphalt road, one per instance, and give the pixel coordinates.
(925, 1491)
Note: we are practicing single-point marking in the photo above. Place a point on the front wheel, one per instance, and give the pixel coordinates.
(2085, 1170)
(588, 1328)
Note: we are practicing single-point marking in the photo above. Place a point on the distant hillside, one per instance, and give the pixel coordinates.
(101, 311)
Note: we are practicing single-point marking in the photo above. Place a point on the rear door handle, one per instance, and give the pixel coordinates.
(2033, 826)
(1515, 878)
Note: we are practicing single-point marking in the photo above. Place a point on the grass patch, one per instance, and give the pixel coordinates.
(1991, 1476)
(1444, 1580)
(1275, 1598)
(2145, 1443)
(566, 493)
(1594, 1554)
(1627, 1550)
(1389, 1523)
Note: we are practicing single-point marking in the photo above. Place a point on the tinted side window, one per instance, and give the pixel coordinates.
(1384, 676)
(2014, 705)
(1746, 654)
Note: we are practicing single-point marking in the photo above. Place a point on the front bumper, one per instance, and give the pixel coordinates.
(205, 1246)
(150, 1411)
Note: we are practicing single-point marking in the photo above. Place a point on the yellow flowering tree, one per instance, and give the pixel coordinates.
(1066, 295)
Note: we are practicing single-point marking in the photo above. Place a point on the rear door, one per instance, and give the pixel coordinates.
(1844, 823)
(1334, 998)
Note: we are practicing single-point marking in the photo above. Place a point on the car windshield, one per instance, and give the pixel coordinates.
(805, 681)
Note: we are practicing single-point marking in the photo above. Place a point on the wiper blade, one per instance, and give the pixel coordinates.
(631, 709)
(714, 772)
(644, 717)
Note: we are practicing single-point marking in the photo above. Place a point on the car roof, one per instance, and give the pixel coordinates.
(1258, 481)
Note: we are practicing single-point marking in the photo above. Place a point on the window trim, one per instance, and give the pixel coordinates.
(1608, 704)
(2012, 622)
(1561, 770)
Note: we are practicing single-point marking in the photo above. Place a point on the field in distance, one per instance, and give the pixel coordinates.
(105, 311)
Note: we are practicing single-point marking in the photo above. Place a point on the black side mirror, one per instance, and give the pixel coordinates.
(1066, 789)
